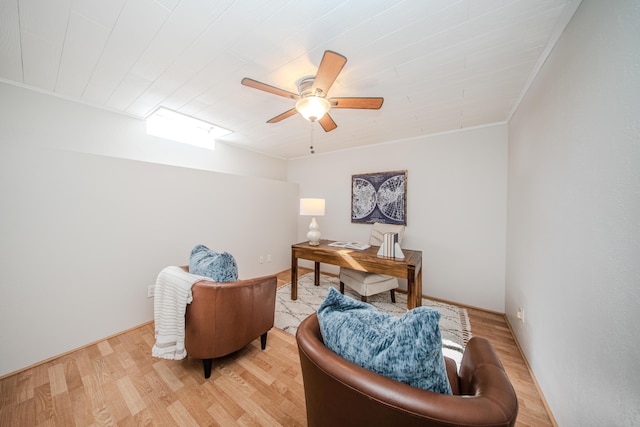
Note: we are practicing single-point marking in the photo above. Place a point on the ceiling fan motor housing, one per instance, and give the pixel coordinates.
(305, 86)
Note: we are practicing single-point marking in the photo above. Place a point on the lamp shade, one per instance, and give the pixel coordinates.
(313, 108)
(312, 207)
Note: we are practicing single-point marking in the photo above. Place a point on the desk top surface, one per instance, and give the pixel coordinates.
(305, 250)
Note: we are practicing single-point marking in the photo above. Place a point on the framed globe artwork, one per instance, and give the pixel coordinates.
(379, 197)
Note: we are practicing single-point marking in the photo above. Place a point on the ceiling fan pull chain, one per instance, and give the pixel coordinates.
(311, 147)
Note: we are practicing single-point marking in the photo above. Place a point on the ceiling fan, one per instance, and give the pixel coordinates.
(312, 102)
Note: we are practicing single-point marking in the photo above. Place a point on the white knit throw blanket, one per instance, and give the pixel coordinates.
(172, 294)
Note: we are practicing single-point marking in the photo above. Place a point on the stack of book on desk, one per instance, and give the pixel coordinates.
(390, 246)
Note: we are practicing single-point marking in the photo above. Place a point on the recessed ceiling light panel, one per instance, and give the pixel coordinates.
(178, 127)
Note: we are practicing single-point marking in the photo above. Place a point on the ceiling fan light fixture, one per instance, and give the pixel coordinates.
(313, 108)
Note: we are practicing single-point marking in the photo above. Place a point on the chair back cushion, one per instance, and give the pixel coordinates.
(407, 348)
(224, 317)
(378, 230)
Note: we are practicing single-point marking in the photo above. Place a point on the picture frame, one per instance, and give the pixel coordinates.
(379, 197)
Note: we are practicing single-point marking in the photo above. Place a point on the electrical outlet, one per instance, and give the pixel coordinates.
(269, 258)
(261, 259)
(520, 314)
(151, 290)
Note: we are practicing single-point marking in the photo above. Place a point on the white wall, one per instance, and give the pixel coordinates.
(82, 235)
(27, 115)
(456, 206)
(573, 252)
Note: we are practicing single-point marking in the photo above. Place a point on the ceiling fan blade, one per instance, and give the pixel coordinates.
(268, 88)
(364, 103)
(283, 116)
(327, 123)
(330, 66)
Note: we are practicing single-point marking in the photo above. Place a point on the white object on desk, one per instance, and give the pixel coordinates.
(398, 251)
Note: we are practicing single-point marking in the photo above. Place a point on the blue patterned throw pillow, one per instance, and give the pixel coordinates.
(221, 267)
(407, 348)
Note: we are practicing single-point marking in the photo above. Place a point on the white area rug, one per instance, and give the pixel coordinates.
(454, 321)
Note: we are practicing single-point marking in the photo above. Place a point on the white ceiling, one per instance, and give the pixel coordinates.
(440, 65)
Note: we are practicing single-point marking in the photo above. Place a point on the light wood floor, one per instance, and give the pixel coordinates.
(117, 382)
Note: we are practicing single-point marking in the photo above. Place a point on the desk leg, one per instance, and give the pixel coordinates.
(411, 289)
(419, 288)
(412, 292)
(294, 277)
(316, 274)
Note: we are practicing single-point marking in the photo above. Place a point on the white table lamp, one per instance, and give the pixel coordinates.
(312, 207)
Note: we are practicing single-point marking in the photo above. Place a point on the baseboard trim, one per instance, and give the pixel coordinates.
(533, 377)
(50, 359)
(472, 307)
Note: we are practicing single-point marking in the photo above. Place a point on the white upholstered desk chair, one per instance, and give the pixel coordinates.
(367, 284)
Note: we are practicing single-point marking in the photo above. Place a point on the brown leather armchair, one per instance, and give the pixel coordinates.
(340, 393)
(224, 317)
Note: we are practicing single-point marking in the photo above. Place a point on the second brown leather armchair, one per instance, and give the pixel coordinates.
(224, 317)
(340, 393)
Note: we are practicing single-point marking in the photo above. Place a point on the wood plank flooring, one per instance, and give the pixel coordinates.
(117, 382)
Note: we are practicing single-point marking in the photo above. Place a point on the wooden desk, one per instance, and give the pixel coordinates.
(409, 268)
